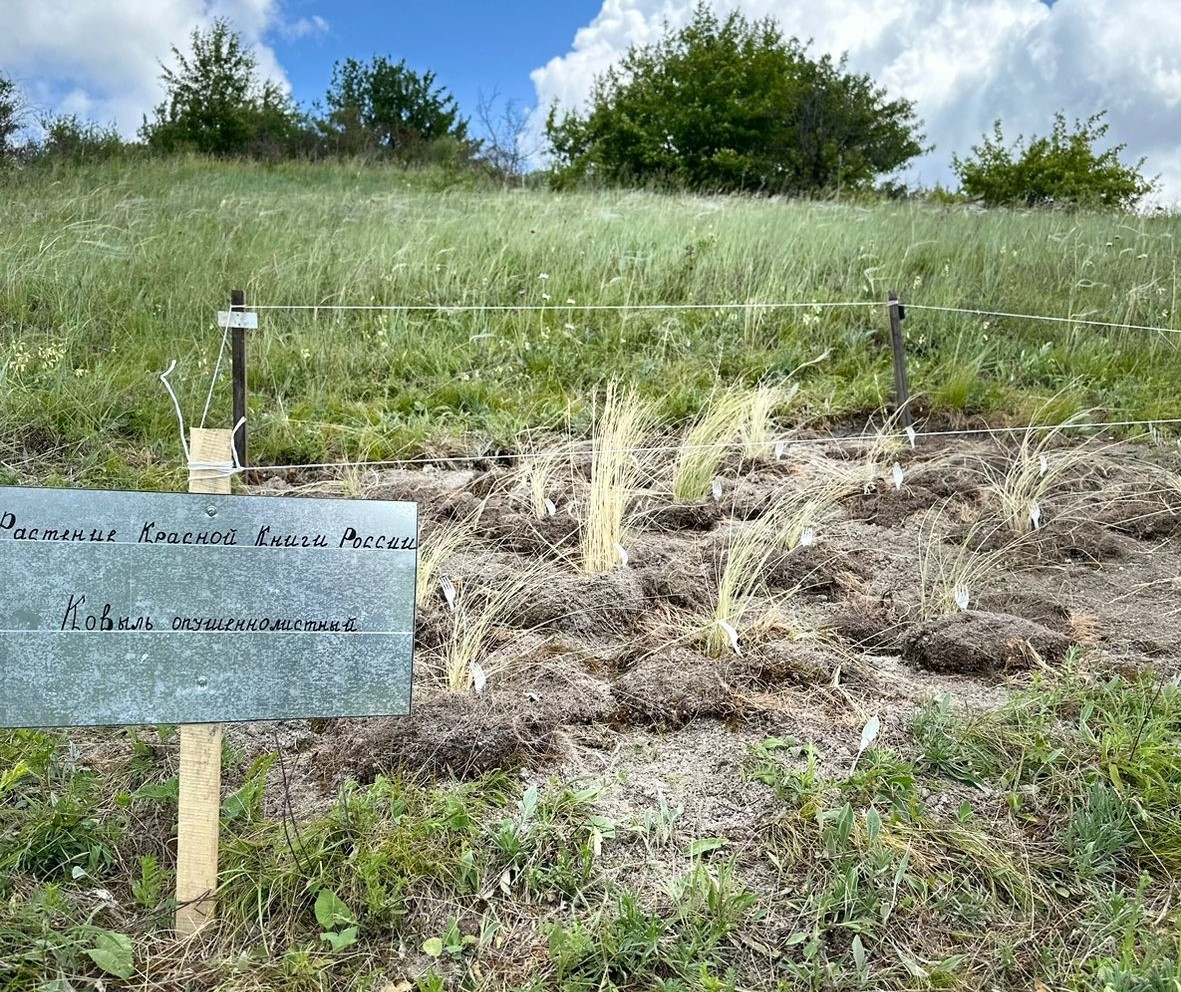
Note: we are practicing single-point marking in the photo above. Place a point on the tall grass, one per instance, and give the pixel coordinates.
(110, 273)
(615, 475)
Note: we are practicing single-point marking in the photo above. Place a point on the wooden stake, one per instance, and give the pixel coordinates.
(898, 345)
(238, 374)
(200, 744)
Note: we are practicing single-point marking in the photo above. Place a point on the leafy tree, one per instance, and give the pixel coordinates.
(12, 114)
(69, 138)
(1062, 168)
(733, 105)
(216, 103)
(383, 106)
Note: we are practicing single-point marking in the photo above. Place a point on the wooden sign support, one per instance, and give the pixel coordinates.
(199, 815)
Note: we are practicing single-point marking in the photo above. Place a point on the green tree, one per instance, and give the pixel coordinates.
(733, 105)
(388, 107)
(1062, 168)
(12, 114)
(216, 102)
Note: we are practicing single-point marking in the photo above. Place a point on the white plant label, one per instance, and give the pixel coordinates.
(731, 633)
(1035, 515)
(550, 509)
(911, 436)
(717, 490)
(807, 537)
(868, 736)
(780, 448)
(448, 588)
(961, 597)
(897, 473)
(246, 319)
(623, 558)
(479, 678)
(1043, 465)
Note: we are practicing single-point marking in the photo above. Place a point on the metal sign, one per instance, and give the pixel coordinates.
(130, 608)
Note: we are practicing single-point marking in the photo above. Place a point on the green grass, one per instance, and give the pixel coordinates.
(110, 273)
(1056, 864)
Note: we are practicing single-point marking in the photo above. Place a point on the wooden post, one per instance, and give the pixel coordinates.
(199, 816)
(238, 373)
(898, 345)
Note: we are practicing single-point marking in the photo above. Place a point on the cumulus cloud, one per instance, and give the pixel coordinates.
(304, 27)
(102, 60)
(964, 62)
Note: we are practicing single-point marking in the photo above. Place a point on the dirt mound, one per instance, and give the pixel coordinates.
(817, 570)
(671, 688)
(1039, 609)
(591, 605)
(890, 507)
(868, 623)
(527, 534)
(977, 642)
(683, 516)
(512, 724)
(1147, 519)
(1060, 540)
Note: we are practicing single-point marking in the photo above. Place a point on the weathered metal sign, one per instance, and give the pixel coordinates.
(130, 608)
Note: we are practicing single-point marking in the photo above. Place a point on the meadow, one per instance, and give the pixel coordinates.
(721, 683)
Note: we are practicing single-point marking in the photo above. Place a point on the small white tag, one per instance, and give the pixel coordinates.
(780, 447)
(1043, 465)
(479, 678)
(911, 436)
(961, 597)
(238, 318)
(897, 476)
(807, 537)
(717, 490)
(448, 588)
(550, 508)
(1035, 515)
(731, 633)
(623, 559)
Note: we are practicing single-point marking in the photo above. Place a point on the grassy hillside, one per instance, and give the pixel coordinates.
(109, 274)
(866, 716)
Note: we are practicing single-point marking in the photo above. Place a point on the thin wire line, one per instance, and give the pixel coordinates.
(216, 369)
(564, 308)
(785, 442)
(774, 305)
(1035, 316)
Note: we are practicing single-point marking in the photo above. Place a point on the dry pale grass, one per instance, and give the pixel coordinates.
(620, 428)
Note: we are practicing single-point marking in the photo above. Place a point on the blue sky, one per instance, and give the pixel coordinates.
(473, 46)
(965, 63)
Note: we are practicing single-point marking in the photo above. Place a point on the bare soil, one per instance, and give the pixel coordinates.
(589, 671)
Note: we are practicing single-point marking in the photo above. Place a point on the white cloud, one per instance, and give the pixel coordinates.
(964, 62)
(102, 60)
(305, 27)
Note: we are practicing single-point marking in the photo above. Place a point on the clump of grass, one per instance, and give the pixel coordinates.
(755, 552)
(704, 446)
(758, 428)
(437, 550)
(615, 474)
(1040, 468)
(538, 473)
(463, 662)
(950, 578)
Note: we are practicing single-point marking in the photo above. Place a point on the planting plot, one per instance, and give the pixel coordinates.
(595, 791)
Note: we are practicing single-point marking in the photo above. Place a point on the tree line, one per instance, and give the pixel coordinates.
(723, 104)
